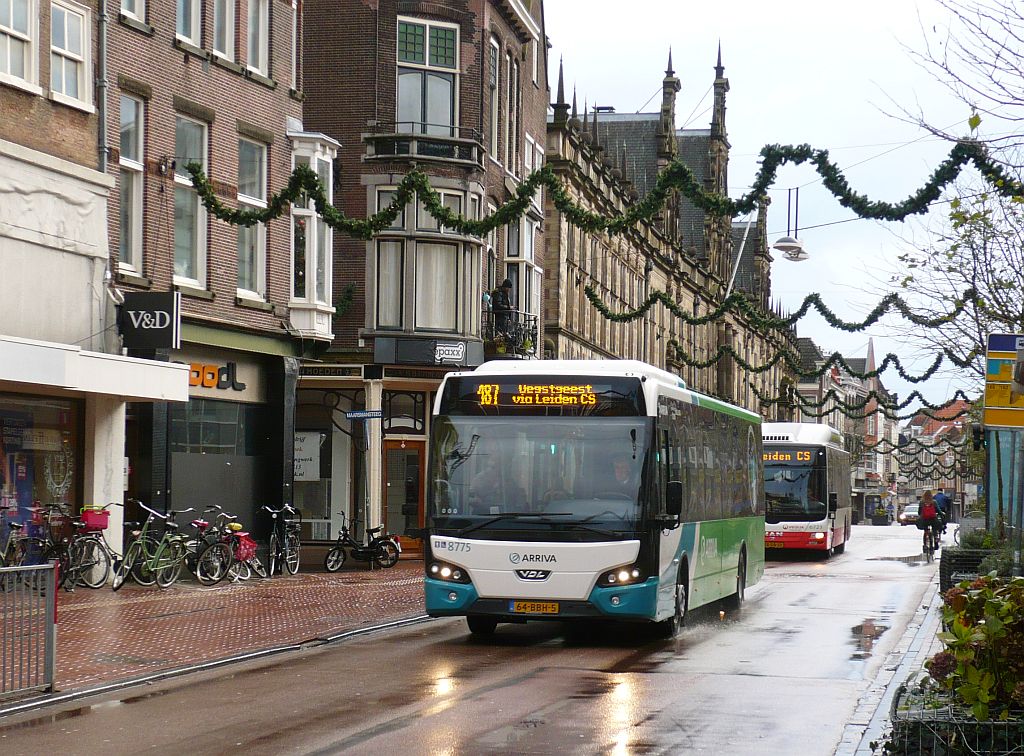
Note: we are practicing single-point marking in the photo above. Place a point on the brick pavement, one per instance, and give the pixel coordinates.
(106, 637)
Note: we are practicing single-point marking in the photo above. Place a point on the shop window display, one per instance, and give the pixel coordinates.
(39, 454)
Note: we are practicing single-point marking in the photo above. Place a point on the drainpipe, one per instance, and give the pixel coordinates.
(101, 85)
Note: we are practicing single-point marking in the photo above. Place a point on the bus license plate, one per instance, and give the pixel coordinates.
(774, 545)
(533, 607)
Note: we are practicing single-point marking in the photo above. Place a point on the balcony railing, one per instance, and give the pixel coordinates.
(447, 144)
(510, 334)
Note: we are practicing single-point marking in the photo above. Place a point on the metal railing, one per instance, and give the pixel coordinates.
(28, 629)
(409, 140)
(512, 333)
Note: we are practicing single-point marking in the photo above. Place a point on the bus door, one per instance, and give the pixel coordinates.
(403, 491)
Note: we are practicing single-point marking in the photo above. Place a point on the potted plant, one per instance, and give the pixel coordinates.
(880, 516)
(527, 345)
(965, 562)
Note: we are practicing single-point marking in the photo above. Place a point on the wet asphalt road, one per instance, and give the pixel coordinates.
(783, 677)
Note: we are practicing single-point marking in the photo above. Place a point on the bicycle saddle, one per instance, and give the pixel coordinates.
(377, 529)
(15, 525)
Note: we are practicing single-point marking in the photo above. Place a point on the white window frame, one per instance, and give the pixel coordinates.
(201, 221)
(424, 218)
(139, 14)
(495, 99)
(295, 44)
(227, 7)
(248, 202)
(83, 60)
(258, 61)
(320, 155)
(426, 66)
(535, 63)
(507, 120)
(136, 166)
(29, 38)
(190, 35)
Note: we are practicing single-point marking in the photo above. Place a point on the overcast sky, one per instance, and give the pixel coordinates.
(834, 75)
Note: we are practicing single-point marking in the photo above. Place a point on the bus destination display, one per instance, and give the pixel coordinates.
(791, 456)
(548, 395)
(540, 395)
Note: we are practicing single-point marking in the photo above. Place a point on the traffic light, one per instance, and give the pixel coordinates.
(977, 436)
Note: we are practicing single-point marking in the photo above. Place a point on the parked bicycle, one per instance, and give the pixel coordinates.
(208, 553)
(19, 547)
(284, 540)
(148, 558)
(382, 550)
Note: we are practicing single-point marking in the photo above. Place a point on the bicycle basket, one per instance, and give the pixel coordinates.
(95, 519)
(245, 548)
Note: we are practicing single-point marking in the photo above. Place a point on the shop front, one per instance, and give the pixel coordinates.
(62, 424)
(362, 431)
(226, 445)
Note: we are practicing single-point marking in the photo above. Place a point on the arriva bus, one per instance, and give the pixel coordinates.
(807, 487)
(586, 489)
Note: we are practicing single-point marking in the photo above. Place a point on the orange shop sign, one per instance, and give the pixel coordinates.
(223, 377)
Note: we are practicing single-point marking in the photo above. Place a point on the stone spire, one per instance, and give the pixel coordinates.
(560, 107)
(585, 134)
(666, 133)
(721, 87)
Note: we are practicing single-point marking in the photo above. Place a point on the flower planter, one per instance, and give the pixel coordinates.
(880, 519)
(956, 564)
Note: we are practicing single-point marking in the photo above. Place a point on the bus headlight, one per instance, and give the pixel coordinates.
(447, 572)
(627, 575)
(819, 536)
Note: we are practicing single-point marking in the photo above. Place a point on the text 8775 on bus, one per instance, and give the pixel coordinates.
(807, 487)
(586, 489)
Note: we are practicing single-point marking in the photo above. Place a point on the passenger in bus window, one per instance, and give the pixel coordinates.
(485, 488)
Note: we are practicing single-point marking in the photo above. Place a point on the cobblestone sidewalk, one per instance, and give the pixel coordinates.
(105, 637)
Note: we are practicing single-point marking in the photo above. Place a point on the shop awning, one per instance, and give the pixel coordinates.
(25, 363)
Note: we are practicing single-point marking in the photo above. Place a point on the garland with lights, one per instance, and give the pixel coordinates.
(917, 446)
(741, 303)
(305, 184)
(928, 470)
(793, 363)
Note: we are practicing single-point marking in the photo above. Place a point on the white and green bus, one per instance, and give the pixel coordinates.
(588, 489)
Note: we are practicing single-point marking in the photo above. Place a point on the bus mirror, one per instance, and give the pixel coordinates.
(674, 498)
(833, 502)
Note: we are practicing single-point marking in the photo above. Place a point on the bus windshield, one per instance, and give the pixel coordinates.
(505, 477)
(794, 485)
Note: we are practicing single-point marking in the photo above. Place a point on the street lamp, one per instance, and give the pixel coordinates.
(789, 245)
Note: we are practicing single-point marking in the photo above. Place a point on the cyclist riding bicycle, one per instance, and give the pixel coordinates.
(928, 515)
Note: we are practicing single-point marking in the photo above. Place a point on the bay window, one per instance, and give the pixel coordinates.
(312, 239)
(437, 267)
(428, 64)
(390, 283)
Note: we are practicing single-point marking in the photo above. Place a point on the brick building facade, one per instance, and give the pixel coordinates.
(607, 162)
(217, 83)
(458, 90)
(63, 382)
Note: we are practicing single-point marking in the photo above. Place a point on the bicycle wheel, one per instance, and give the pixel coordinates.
(257, 567)
(335, 559)
(27, 551)
(133, 553)
(274, 558)
(956, 535)
(170, 560)
(239, 571)
(291, 553)
(387, 554)
(213, 563)
(92, 562)
(59, 553)
(142, 570)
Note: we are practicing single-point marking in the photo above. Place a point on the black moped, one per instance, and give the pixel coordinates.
(382, 550)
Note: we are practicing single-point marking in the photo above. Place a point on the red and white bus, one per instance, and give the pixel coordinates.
(807, 488)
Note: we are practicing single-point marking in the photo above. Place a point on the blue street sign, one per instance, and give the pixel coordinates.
(364, 415)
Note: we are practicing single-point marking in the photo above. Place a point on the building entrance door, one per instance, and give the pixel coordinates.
(403, 491)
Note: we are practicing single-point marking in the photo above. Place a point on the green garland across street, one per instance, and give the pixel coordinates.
(304, 182)
(852, 411)
(835, 358)
(741, 303)
(882, 401)
(885, 446)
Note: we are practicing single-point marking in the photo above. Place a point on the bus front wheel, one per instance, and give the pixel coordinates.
(735, 601)
(481, 625)
(675, 623)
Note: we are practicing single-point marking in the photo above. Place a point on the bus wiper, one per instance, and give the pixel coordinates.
(510, 516)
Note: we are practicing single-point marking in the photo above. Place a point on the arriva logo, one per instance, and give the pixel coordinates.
(708, 547)
(531, 558)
